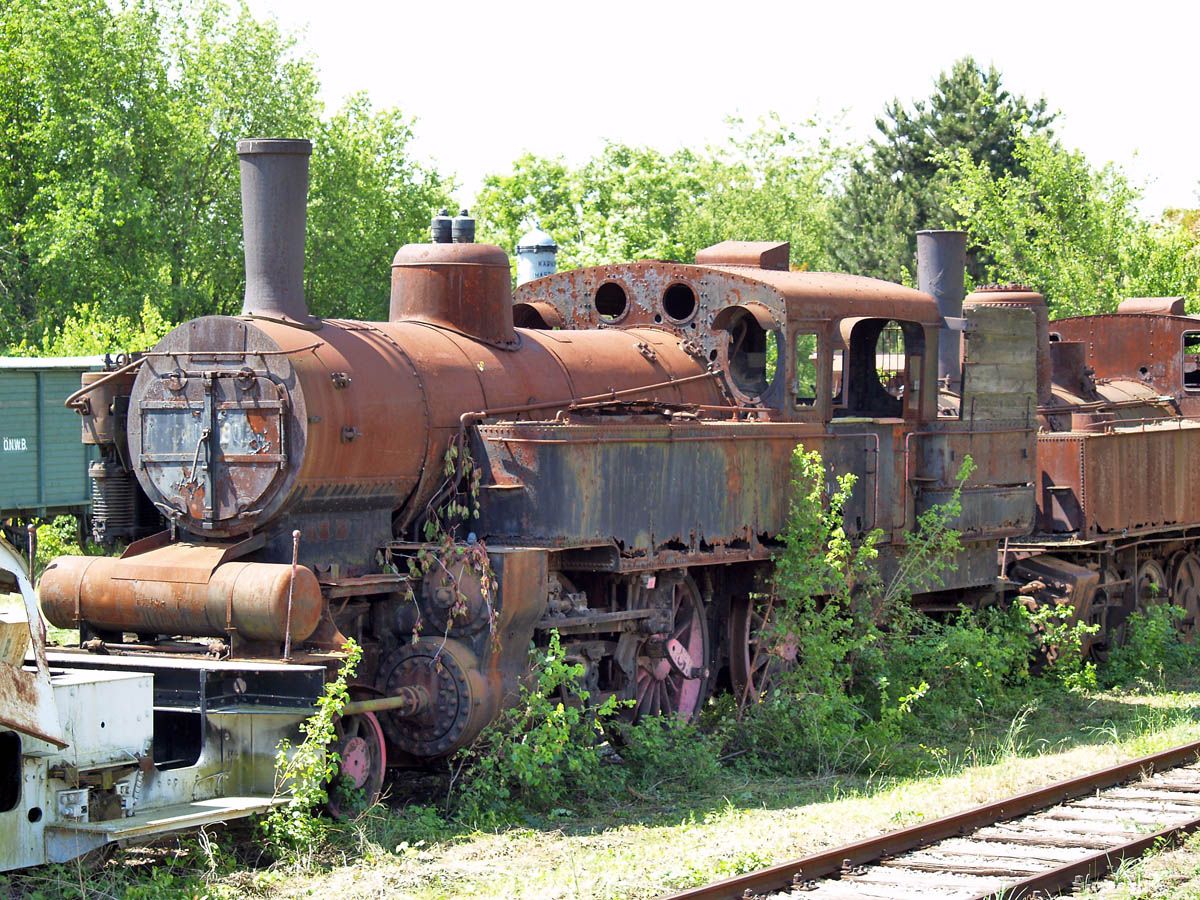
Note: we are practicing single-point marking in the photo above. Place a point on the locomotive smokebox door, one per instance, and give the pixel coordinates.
(229, 423)
(209, 430)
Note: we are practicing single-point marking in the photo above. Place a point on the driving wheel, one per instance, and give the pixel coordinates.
(1185, 591)
(1151, 584)
(756, 658)
(672, 672)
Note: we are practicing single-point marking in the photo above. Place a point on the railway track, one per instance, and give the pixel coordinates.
(1034, 844)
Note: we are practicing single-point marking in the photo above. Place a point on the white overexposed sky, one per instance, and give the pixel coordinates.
(487, 81)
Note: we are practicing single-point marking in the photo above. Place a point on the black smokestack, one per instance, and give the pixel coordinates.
(941, 261)
(274, 210)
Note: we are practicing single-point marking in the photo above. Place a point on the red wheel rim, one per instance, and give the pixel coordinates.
(363, 764)
(662, 687)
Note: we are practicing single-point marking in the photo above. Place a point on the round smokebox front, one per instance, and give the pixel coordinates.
(217, 426)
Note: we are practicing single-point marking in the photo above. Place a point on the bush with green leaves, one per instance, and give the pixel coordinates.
(58, 537)
(305, 771)
(869, 668)
(1060, 639)
(666, 751)
(955, 665)
(1154, 649)
(818, 619)
(540, 753)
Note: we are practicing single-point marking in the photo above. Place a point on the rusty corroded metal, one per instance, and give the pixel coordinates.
(1121, 403)
(246, 599)
(1166, 306)
(755, 254)
(274, 175)
(941, 267)
(94, 400)
(266, 454)
(26, 695)
(1021, 297)
(607, 453)
(462, 287)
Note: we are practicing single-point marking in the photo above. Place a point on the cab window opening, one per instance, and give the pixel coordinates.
(752, 355)
(1191, 360)
(882, 374)
(804, 381)
(890, 359)
(836, 393)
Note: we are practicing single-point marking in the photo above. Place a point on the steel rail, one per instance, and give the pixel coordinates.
(783, 876)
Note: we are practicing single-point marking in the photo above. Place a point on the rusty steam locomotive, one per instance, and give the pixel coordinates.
(630, 433)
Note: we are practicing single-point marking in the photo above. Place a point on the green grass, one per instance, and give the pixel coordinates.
(647, 839)
(1169, 874)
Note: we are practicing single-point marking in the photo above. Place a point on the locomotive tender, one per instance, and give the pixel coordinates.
(633, 427)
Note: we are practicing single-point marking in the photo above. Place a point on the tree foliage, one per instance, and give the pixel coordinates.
(368, 197)
(899, 185)
(769, 182)
(118, 172)
(1071, 230)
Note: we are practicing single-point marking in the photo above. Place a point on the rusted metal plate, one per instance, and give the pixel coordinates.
(1127, 480)
(992, 512)
(26, 695)
(641, 294)
(1000, 362)
(1141, 347)
(644, 487)
(1060, 488)
(1142, 477)
(180, 563)
(1011, 346)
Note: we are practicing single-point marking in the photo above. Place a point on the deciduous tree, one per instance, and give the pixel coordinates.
(1071, 230)
(769, 182)
(118, 170)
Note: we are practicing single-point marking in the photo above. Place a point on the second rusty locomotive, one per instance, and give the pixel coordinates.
(605, 454)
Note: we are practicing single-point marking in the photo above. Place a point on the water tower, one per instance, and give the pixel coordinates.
(537, 255)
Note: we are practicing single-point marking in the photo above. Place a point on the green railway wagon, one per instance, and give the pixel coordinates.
(43, 463)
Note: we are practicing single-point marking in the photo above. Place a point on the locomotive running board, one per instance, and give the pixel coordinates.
(66, 842)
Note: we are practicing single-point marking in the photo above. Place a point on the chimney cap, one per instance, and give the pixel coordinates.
(250, 146)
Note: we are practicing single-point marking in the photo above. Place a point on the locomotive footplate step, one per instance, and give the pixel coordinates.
(180, 816)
